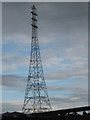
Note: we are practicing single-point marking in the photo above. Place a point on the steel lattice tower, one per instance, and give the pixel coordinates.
(36, 96)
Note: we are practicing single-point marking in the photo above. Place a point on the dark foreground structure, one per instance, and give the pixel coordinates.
(65, 114)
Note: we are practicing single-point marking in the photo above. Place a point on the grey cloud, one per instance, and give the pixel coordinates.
(19, 82)
(65, 74)
(73, 88)
(12, 106)
(61, 103)
(55, 88)
(56, 102)
(74, 60)
(63, 27)
(11, 82)
(79, 93)
(11, 62)
(56, 20)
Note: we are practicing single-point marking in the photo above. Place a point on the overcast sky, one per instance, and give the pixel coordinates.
(63, 38)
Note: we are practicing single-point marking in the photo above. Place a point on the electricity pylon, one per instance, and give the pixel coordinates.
(36, 96)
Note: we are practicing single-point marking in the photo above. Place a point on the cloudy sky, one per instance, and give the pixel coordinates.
(63, 38)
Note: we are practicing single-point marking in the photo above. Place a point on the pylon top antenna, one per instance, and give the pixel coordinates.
(33, 7)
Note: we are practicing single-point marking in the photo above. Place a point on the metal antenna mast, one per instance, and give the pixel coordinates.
(36, 96)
